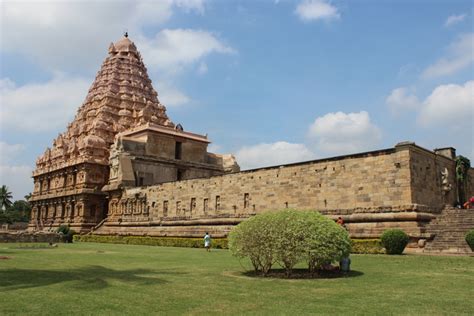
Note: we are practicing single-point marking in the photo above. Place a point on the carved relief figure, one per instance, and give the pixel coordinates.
(446, 186)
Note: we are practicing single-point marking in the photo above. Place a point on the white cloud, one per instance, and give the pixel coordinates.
(448, 106)
(171, 50)
(52, 35)
(6, 84)
(332, 134)
(171, 96)
(39, 31)
(454, 19)
(460, 56)
(191, 5)
(16, 177)
(264, 155)
(312, 10)
(401, 99)
(8, 152)
(41, 106)
(340, 133)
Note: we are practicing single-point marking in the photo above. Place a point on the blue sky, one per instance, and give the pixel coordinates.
(270, 81)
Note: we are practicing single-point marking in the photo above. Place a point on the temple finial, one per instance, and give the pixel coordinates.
(125, 34)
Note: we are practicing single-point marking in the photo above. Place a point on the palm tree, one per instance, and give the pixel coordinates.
(27, 197)
(5, 198)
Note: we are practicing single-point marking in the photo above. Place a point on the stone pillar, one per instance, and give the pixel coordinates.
(59, 212)
(79, 211)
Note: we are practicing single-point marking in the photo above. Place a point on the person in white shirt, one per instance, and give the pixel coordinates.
(207, 242)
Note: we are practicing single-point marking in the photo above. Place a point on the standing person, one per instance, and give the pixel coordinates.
(207, 242)
(340, 221)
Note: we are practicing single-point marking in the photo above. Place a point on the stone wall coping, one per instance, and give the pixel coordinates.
(164, 130)
(415, 147)
(385, 217)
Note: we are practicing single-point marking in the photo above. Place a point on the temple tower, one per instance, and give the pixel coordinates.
(69, 176)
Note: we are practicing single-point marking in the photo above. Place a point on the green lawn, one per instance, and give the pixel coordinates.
(88, 278)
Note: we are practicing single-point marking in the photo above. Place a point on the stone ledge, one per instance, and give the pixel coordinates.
(385, 217)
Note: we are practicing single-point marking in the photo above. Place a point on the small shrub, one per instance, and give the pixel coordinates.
(394, 241)
(367, 246)
(470, 239)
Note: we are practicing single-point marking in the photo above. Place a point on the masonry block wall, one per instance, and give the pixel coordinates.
(401, 187)
(340, 186)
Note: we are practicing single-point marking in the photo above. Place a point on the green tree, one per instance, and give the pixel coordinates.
(5, 198)
(21, 210)
(463, 165)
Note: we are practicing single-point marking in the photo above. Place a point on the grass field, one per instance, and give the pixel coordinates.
(104, 279)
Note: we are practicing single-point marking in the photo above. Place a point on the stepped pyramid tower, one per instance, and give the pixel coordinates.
(69, 176)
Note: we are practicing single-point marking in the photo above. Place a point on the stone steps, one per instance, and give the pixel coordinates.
(449, 229)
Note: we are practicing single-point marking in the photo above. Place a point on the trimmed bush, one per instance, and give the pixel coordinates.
(367, 246)
(219, 243)
(394, 241)
(288, 237)
(470, 239)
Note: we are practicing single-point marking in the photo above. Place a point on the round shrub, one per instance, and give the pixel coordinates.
(394, 241)
(470, 239)
(288, 237)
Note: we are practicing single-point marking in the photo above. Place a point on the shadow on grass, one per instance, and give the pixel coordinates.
(304, 274)
(87, 278)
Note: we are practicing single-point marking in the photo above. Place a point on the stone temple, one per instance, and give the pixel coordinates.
(121, 115)
(123, 167)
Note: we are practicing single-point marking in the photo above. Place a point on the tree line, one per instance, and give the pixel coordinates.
(13, 211)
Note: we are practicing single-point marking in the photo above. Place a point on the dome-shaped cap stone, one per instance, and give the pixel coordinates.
(125, 45)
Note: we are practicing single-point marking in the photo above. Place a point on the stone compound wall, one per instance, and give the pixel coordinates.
(28, 237)
(400, 187)
(334, 186)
